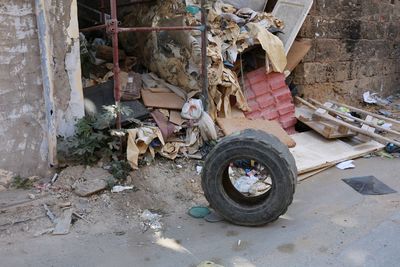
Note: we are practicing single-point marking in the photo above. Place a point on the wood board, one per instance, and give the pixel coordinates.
(297, 52)
(314, 152)
(324, 128)
(310, 174)
(232, 125)
(162, 100)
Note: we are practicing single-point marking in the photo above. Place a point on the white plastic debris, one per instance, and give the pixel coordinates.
(258, 187)
(199, 170)
(119, 188)
(387, 126)
(192, 110)
(370, 98)
(151, 220)
(244, 183)
(346, 165)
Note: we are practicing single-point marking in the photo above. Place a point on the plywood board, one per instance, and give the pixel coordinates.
(297, 52)
(314, 152)
(162, 100)
(233, 125)
(293, 13)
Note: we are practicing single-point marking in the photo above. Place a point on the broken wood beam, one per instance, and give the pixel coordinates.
(342, 114)
(366, 112)
(348, 125)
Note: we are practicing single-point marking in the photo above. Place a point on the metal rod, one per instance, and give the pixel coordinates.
(158, 29)
(94, 28)
(204, 72)
(135, 3)
(48, 80)
(114, 32)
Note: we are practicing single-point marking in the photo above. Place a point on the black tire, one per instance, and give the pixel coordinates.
(267, 150)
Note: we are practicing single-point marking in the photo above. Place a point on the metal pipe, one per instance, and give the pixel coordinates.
(135, 3)
(158, 29)
(114, 32)
(93, 28)
(204, 40)
(48, 80)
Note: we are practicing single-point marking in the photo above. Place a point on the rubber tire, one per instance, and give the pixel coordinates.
(265, 149)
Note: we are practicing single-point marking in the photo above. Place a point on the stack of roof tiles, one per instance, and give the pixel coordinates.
(269, 98)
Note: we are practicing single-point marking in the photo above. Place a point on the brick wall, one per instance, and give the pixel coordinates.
(356, 47)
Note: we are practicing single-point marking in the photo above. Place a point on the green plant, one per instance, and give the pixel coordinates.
(22, 183)
(94, 137)
(120, 169)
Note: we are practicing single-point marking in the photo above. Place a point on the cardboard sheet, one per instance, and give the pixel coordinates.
(232, 125)
(162, 100)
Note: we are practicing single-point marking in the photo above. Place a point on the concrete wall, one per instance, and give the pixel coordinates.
(23, 130)
(356, 47)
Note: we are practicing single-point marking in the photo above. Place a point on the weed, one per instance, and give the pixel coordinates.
(94, 137)
(22, 183)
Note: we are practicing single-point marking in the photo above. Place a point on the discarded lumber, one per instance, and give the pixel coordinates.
(350, 126)
(106, 53)
(367, 113)
(323, 127)
(344, 115)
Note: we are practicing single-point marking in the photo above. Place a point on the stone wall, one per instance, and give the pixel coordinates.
(23, 130)
(356, 47)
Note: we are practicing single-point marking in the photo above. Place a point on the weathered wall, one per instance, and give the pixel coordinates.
(356, 47)
(23, 142)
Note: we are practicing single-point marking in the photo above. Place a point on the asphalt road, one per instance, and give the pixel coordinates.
(329, 224)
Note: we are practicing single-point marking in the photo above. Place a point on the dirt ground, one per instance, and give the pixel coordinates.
(328, 224)
(165, 188)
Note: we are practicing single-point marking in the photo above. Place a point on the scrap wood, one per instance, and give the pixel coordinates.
(348, 125)
(314, 152)
(323, 127)
(297, 52)
(162, 100)
(310, 174)
(232, 125)
(327, 107)
(367, 113)
(63, 223)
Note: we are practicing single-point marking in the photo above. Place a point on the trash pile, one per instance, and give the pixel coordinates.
(160, 74)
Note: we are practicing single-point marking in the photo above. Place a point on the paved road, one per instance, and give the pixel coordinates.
(329, 224)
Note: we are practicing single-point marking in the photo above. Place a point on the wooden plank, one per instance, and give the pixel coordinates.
(233, 125)
(369, 121)
(310, 174)
(348, 125)
(367, 113)
(314, 152)
(297, 52)
(323, 127)
(162, 100)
